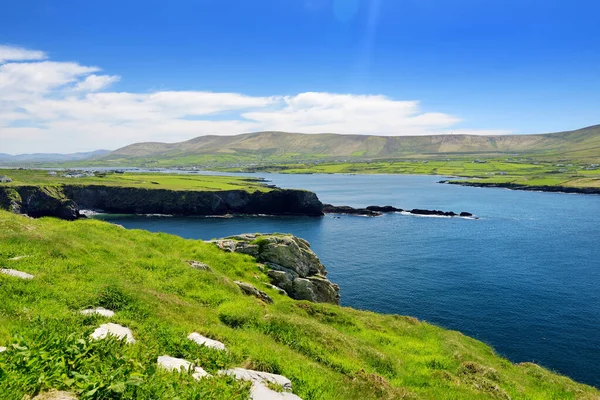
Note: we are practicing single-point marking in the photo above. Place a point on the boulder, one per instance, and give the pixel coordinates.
(115, 330)
(199, 265)
(2, 349)
(103, 312)
(15, 273)
(178, 364)
(252, 291)
(204, 341)
(55, 395)
(260, 381)
(292, 265)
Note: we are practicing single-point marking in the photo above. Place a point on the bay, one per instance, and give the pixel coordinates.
(522, 278)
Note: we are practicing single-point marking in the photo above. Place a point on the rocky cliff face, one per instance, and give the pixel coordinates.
(65, 201)
(38, 201)
(292, 265)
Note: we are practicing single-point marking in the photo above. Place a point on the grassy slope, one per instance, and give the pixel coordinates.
(285, 147)
(520, 172)
(329, 352)
(141, 180)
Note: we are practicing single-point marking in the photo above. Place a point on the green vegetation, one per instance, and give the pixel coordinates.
(328, 352)
(518, 171)
(23, 177)
(282, 147)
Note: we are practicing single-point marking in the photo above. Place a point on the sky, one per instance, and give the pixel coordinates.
(80, 75)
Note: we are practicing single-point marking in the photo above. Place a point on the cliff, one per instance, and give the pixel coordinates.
(65, 201)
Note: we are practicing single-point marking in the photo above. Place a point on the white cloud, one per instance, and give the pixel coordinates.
(50, 106)
(11, 53)
(93, 82)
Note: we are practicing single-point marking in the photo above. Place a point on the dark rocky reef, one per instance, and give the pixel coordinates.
(517, 186)
(291, 265)
(66, 201)
(331, 209)
(374, 211)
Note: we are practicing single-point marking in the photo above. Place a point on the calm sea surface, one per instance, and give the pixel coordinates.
(523, 278)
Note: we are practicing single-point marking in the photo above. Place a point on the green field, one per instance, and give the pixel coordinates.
(329, 352)
(138, 180)
(533, 173)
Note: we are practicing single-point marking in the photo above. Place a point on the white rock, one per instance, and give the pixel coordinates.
(54, 395)
(114, 330)
(2, 349)
(17, 258)
(261, 392)
(178, 364)
(258, 377)
(14, 272)
(100, 311)
(204, 341)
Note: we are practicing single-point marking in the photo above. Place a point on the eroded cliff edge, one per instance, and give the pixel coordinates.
(65, 201)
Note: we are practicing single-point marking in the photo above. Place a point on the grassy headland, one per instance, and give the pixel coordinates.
(22, 177)
(329, 352)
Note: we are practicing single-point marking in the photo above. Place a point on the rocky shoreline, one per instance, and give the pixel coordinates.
(375, 211)
(517, 186)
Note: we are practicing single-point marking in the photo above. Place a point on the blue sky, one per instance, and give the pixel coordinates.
(350, 66)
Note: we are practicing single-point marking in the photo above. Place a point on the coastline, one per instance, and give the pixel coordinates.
(516, 186)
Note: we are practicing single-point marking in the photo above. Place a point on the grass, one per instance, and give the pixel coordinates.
(523, 172)
(329, 352)
(22, 177)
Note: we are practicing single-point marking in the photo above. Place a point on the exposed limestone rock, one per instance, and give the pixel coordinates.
(199, 265)
(262, 392)
(99, 311)
(115, 330)
(178, 364)
(15, 273)
(55, 395)
(204, 341)
(293, 266)
(2, 349)
(258, 377)
(252, 291)
(260, 380)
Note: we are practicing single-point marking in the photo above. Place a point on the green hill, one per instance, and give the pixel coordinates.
(328, 351)
(284, 146)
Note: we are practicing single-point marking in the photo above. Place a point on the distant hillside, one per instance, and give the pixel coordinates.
(282, 146)
(50, 157)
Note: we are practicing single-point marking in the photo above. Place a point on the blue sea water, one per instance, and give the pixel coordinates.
(523, 278)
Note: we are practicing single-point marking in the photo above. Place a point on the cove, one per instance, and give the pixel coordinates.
(522, 278)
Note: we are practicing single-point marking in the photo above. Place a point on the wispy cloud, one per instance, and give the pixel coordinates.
(11, 53)
(48, 106)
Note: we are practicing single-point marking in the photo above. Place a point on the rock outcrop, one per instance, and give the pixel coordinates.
(331, 209)
(250, 290)
(292, 265)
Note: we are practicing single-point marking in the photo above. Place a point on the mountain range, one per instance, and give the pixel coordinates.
(282, 146)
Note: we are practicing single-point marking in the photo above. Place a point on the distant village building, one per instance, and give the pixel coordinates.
(5, 179)
(52, 173)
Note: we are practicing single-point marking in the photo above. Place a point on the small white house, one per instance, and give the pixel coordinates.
(5, 179)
